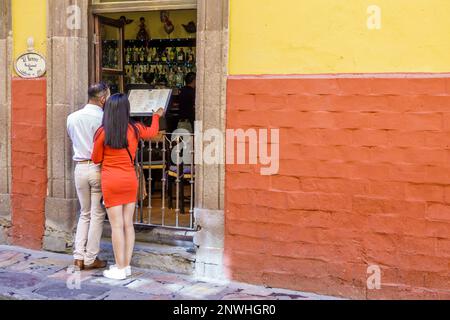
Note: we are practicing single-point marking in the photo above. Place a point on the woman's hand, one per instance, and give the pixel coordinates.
(160, 112)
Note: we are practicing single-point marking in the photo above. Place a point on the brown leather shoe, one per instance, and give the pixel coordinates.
(78, 264)
(98, 264)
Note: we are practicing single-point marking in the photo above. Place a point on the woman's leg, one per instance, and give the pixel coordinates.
(115, 216)
(128, 215)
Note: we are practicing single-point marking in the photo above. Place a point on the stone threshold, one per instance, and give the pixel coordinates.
(160, 235)
(155, 256)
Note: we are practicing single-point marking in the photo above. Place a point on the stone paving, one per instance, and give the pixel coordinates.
(36, 275)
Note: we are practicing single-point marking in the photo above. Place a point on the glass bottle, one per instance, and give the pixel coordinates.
(135, 54)
(164, 56)
(171, 78)
(142, 55)
(149, 55)
(179, 78)
(181, 56)
(105, 57)
(173, 54)
(128, 56)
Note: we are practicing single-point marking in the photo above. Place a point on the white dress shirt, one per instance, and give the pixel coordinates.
(81, 127)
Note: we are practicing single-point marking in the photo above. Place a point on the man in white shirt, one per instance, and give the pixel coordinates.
(81, 127)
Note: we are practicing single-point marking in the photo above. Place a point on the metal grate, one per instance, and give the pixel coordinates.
(168, 174)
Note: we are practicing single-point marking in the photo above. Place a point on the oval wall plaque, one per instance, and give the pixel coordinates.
(30, 65)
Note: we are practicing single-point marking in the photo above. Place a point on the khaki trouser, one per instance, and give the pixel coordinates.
(92, 215)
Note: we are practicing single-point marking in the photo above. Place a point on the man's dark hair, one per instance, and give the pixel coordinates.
(116, 120)
(149, 77)
(97, 90)
(190, 77)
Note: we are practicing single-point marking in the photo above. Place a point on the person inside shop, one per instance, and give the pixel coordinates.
(187, 103)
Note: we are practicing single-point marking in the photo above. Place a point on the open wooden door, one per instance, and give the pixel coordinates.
(108, 52)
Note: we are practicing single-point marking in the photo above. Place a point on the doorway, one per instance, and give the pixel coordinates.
(151, 50)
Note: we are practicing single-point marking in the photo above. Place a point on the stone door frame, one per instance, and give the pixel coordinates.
(6, 61)
(68, 79)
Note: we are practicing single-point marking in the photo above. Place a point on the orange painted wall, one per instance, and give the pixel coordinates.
(364, 179)
(29, 161)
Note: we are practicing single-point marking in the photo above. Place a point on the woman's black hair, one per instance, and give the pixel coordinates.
(116, 120)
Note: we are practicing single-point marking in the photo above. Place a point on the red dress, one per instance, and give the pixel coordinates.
(119, 181)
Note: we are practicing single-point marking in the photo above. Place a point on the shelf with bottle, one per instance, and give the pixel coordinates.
(163, 43)
(178, 56)
(110, 55)
(157, 75)
(169, 64)
(156, 43)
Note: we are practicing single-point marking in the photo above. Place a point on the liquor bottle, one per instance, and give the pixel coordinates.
(116, 58)
(145, 54)
(135, 54)
(155, 55)
(165, 55)
(179, 78)
(171, 78)
(163, 76)
(111, 56)
(190, 56)
(181, 56)
(105, 62)
(141, 55)
(149, 55)
(173, 54)
(127, 56)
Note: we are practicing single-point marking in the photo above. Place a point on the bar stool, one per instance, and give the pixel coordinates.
(183, 176)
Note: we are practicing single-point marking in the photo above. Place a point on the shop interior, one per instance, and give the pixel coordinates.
(156, 50)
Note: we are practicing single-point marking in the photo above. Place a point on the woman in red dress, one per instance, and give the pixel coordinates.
(115, 146)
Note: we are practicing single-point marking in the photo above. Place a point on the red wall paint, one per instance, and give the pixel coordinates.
(364, 179)
(29, 161)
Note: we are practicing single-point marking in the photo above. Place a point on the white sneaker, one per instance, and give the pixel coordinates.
(115, 274)
(127, 269)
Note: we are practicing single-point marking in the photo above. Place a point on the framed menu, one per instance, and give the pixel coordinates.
(146, 102)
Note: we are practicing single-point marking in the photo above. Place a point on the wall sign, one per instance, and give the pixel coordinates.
(31, 64)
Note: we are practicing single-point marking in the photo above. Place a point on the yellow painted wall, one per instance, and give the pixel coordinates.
(331, 36)
(154, 25)
(29, 19)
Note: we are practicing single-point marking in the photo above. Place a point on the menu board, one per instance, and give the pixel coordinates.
(146, 102)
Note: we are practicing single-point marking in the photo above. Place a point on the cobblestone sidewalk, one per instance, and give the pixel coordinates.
(26, 274)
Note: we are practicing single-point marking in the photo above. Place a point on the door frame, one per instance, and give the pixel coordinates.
(97, 62)
(212, 74)
(127, 6)
(68, 79)
(97, 8)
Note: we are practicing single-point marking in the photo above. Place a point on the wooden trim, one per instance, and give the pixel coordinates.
(111, 22)
(112, 72)
(99, 70)
(97, 50)
(124, 6)
(91, 48)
